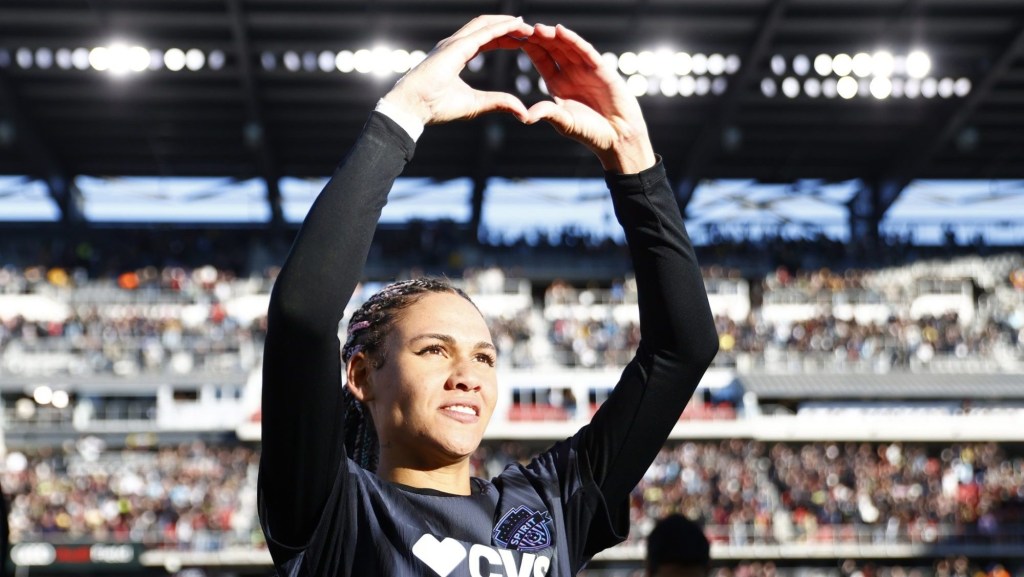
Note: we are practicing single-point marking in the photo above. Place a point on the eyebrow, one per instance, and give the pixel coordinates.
(450, 341)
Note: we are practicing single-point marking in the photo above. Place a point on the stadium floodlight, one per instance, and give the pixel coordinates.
(325, 61)
(523, 84)
(862, 64)
(363, 61)
(628, 63)
(719, 85)
(80, 58)
(823, 64)
(702, 85)
(801, 65)
(732, 64)
(217, 59)
(194, 59)
(23, 57)
(415, 57)
(929, 87)
(382, 61)
(945, 88)
(912, 88)
(646, 63)
(63, 59)
(829, 88)
(897, 87)
(120, 59)
(60, 399)
(653, 86)
(99, 58)
(42, 395)
(309, 61)
(791, 87)
(44, 58)
(716, 64)
(962, 87)
(138, 58)
(637, 85)
(543, 87)
(292, 61)
(345, 61)
(847, 87)
(919, 64)
(699, 62)
(768, 87)
(268, 60)
(778, 64)
(669, 86)
(842, 64)
(882, 63)
(682, 64)
(174, 59)
(476, 64)
(663, 62)
(687, 86)
(881, 87)
(524, 64)
(156, 59)
(812, 87)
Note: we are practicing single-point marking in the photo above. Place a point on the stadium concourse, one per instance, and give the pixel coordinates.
(861, 420)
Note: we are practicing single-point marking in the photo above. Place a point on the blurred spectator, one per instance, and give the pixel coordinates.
(677, 547)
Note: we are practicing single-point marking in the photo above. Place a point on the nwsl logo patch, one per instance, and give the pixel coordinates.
(524, 529)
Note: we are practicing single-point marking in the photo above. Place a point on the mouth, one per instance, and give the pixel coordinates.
(462, 412)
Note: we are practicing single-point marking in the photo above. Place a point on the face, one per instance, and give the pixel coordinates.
(435, 392)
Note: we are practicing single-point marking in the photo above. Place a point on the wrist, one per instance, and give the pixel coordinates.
(409, 104)
(628, 161)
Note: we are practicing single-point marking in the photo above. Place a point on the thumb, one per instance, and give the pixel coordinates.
(552, 113)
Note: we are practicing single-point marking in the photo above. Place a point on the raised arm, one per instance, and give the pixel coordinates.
(303, 428)
(591, 105)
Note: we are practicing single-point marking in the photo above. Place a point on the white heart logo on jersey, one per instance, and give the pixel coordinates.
(441, 556)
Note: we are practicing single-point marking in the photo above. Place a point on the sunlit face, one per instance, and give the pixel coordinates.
(435, 392)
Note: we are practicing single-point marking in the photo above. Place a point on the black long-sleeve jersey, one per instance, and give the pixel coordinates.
(323, 515)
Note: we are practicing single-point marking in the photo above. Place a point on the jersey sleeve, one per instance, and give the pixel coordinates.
(302, 405)
(678, 343)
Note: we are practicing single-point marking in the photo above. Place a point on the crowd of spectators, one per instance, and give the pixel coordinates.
(194, 496)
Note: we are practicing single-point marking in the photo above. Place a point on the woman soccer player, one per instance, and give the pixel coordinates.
(369, 474)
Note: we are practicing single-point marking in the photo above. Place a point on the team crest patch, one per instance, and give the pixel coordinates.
(524, 529)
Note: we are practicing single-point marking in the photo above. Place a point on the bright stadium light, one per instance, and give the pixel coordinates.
(611, 60)
(929, 87)
(646, 63)
(882, 63)
(768, 87)
(217, 59)
(828, 88)
(309, 62)
(669, 86)
(325, 61)
(80, 58)
(345, 61)
(962, 87)
(702, 86)
(523, 84)
(23, 57)
(63, 59)
(812, 87)
(156, 59)
(716, 64)
(400, 61)
(99, 58)
(268, 60)
(912, 88)
(897, 87)
(44, 58)
(847, 87)
(663, 62)
(382, 61)
(364, 61)
(476, 64)
(881, 87)
(637, 85)
(42, 395)
(687, 86)
(862, 64)
(719, 85)
(945, 87)
(174, 59)
(120, 59)
(415, 57)
(791, 87)
(842, 64)
(699, 62)
(919, 64)
(732, 64)
(801, 65)
(60, 399)
(682, 64)
(194, 59)
(628, 63)
(778, 64)
(823, 64)
(138, 58)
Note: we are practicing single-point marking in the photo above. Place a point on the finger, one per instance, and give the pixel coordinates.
(501, 102)
(546, 37)
(511, 27)
(552, 113)
(479, 23)
(542, 59)
(584, 50)
(503, 43)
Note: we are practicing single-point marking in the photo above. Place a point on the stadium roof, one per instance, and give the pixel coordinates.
(891, 386)
(268, 97)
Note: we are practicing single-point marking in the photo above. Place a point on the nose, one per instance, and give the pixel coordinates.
(464, 377)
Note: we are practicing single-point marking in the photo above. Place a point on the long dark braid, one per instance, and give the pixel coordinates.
(367, 330)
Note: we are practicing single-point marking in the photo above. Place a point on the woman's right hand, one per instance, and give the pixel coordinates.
(433, 90)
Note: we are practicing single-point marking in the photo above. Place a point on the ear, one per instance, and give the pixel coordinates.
(358, 379)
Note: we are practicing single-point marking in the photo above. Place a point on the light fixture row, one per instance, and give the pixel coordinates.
(117, 58)
(879, 87)
(915, 64)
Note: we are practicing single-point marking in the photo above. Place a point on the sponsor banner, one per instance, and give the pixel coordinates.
(77, 556)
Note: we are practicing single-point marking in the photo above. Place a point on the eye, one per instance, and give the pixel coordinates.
(431, 350)
(486, 358)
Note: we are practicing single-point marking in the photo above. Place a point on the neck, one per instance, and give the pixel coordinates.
(452, 478)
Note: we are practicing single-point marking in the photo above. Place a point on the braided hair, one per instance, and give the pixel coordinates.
(367, 331)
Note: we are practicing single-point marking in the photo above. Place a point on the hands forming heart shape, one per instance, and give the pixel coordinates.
(590, 102)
